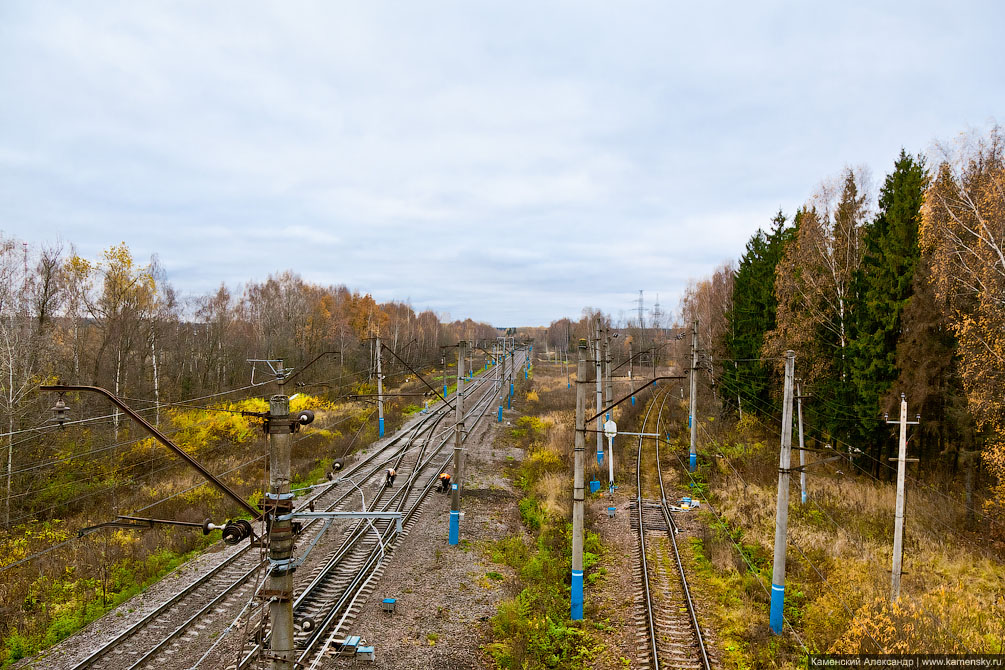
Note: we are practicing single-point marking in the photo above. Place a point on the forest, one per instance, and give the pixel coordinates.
(878, 295)
(183, 363)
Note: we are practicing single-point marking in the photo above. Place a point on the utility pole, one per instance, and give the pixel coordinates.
(631, 370)
(898, 527)
(443, 362)
(578, 493)
(499, 379)
(609, 388)
(600, 394)
(802, 453)
(279, 501)
(512, 365)
(692, 419)
(776, 617)
(380, 394)
(455, 489)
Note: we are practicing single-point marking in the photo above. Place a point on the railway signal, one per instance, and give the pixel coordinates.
(611, 431)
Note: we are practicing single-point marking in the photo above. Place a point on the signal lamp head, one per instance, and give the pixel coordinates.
(59, 410)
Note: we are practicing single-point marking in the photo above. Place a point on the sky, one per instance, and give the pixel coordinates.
(512, 162)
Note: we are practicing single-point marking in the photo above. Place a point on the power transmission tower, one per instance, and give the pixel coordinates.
(898, 527)
(776, 616)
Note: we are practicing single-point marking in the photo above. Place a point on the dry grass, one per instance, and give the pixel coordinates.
(839, 557)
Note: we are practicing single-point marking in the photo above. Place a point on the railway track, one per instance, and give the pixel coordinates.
(338, 589)
(669, 635)
(188, 622)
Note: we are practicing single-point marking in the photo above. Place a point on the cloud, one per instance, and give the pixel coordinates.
(511, 163)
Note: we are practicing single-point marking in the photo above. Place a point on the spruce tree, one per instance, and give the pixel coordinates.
(745, 379)
(883, 288)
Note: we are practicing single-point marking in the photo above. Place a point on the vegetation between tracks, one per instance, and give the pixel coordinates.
(533, 629)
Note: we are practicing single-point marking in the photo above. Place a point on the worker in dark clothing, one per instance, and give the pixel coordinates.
(389, 479)
(444, 482)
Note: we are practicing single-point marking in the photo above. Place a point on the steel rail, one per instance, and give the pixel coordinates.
(363, 574)
(360, 530)
(688, 600)
(422, 425)
(650, 621)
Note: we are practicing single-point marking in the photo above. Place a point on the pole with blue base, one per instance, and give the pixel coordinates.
(455, 491)
(455, 523)
(578, 490)
(776, 614)
(691, 422)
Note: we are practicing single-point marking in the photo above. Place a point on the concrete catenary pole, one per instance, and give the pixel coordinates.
(578, 486)
(511, 357)
(609, 385)
(802, 452)
(499, 379)
(631, 370)
(692, 418)
(279, 502)
(598, 358)
(898, 526)
(380, 394)
(455, 484)
(776, 617)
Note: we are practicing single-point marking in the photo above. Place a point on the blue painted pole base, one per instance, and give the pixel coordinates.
(380, 426)
(600, 458)
(444, 390)
(777, 605)
(633, 401)
(455, 527)
(511, 389)
(568, 385)
(525, 374)
(804, 497)
(500, 413)
(694, 462)
(577, 596)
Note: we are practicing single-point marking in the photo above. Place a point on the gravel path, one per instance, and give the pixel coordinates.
(444, 596)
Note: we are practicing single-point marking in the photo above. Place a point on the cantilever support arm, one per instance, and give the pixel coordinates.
(160, 437)
(615, 404)
(410, 369)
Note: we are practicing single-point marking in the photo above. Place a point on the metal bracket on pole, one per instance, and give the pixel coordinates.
(393, 516)
(802, 468)
(160, 437)
(615, 404)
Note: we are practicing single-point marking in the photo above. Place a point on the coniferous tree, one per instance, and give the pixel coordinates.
(746, 380)
(884, 285)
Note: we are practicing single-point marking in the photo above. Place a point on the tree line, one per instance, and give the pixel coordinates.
(117, 323)
(902, 296)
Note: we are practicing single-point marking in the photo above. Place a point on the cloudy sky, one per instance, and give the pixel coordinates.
(511, 162)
